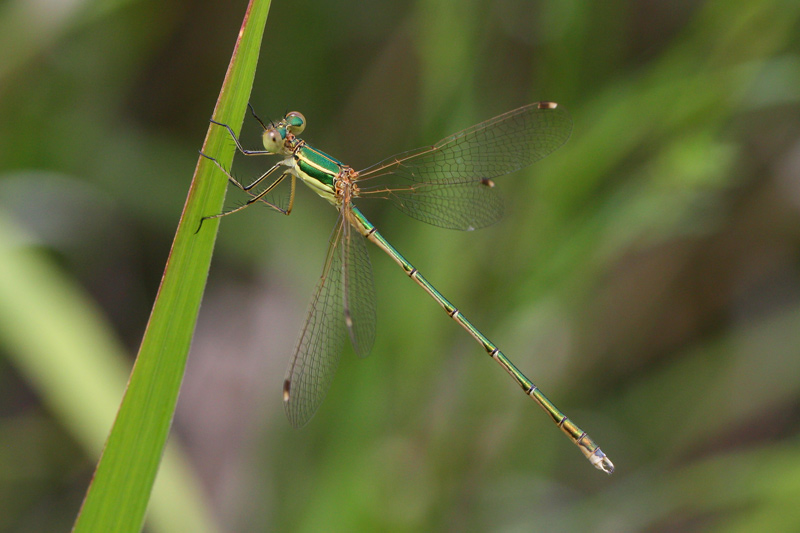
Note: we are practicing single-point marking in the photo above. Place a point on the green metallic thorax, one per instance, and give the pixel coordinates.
(318, 170)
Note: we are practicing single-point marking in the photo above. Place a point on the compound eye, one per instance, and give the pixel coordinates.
(295, 122)
(273, 140)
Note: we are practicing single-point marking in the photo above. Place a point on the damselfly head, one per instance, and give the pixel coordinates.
(278, 137)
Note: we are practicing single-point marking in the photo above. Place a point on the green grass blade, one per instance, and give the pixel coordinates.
(118, 496)
(57, 338)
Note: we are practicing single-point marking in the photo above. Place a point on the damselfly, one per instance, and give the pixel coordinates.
(449, 185)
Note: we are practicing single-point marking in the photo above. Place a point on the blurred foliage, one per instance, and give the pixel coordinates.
(646, 275)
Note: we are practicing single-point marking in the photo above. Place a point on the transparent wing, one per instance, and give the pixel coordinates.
(449, 184)
(359, 291)
(463, 206)
(316, 356)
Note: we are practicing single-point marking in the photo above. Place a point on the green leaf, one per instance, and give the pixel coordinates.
(118, 496)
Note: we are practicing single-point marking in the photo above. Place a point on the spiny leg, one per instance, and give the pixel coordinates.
(254, 197)
(260, 198)
(234, 181)
(239, 144)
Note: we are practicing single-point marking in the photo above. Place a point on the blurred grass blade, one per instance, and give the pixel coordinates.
(78, 367)
(118, 496)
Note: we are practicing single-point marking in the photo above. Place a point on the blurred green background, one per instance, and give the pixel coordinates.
(646, 275)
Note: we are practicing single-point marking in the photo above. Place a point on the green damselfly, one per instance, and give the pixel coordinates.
(448, 184)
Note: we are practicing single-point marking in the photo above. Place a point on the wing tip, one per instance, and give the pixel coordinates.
(548, 105)
(287, 386)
